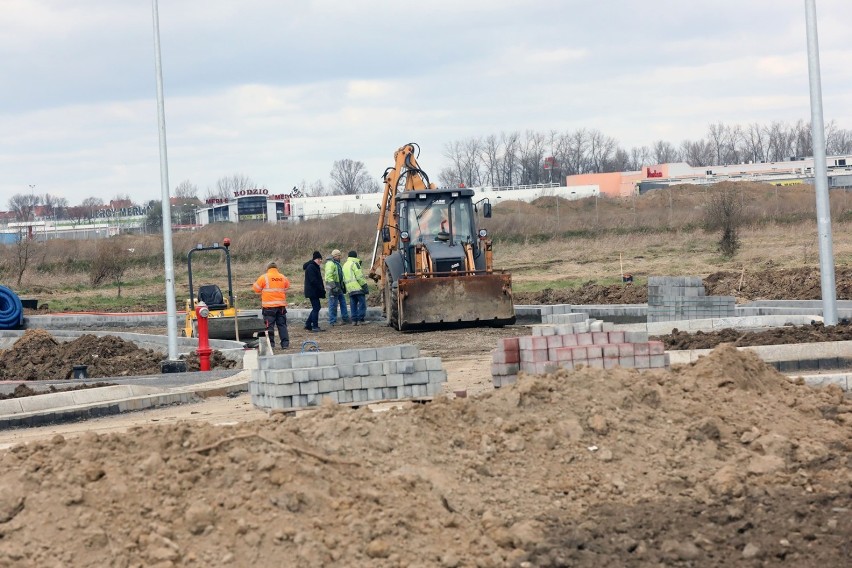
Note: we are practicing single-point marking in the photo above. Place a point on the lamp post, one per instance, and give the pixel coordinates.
(172, 364)
(823, 205)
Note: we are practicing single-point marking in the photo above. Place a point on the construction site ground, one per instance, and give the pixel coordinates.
(722, 462)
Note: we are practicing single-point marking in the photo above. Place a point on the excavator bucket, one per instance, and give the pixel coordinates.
(483, 299)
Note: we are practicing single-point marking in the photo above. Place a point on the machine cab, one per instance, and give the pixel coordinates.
(442, 221)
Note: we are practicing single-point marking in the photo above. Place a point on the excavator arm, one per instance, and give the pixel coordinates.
(406, 172)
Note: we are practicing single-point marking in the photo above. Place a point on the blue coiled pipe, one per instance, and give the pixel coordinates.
(11, 310)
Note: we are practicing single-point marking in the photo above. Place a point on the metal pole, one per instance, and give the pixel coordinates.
(173, 364)
(823, 204)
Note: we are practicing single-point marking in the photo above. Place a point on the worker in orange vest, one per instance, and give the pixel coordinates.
(272, 287)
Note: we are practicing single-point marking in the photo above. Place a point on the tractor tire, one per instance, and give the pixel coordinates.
(391, 301)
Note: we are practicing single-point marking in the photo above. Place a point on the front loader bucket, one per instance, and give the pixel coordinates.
(470, 300)
(223, 327)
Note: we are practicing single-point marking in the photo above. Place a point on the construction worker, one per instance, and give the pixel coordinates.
(336, 289)
(314, 290)
(356, 287)
(272, 287)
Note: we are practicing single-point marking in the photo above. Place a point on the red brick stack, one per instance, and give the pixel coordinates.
(539, 354)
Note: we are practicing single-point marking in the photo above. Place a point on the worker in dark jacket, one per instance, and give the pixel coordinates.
(314, 290)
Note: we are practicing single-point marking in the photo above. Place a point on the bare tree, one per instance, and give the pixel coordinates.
(349, 177)
(92, 205)
(226, 186)
(724, 212)
(576, 152)
(23, 206)
(696, 154)
(640, 156)
(664, 152)
(601, 150)
(186, 190)
(755, 143)
(110, 263)
(531, 157)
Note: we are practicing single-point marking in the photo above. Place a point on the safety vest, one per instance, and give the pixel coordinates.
(353, 276)
(333, 272)
(272, 288)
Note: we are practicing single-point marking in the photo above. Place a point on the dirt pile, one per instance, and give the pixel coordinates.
(770, 284)
(719, 463)
(588, 293)
(777, 284)
(814, 333)
(37, 356)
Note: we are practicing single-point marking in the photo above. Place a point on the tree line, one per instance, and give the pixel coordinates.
(537, 157)
(505, 159)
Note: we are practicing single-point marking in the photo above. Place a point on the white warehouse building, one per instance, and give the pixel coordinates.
(260, 205)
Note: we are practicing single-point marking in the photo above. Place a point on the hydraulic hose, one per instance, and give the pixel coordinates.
(11, 309)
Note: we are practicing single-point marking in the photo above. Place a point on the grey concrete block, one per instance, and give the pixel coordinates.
(374, 382)
(388, 353)
(332, 396)
(376, 368)
(635, 336)
(279, 376)
(313, 399)
(405, 366)
(316, 373)
(300, 401)
(395, 379)
(419, 378)
(330, 372)
(374, 394)
(361, 369)
(274, 362)
(366, 355)
(419, 364)
(352, 383)
(345, 370)
(284, 390)
(344, 397)
(330, 385)
(304, 360)
(325, 359)
(359, 395)
(348, 357)
(409, 351)
(389, 393)
(433, 364)
(311, 387)
(434, 389)
(301, 375)
(281, 403)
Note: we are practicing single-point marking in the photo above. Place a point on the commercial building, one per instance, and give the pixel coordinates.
(260, 205)
(789, 172)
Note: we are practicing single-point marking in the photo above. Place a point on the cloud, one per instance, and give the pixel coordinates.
(280, 90)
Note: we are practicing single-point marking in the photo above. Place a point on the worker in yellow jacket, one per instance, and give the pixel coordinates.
(272, 287)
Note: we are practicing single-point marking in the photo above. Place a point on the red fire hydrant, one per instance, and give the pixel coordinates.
(204, 351)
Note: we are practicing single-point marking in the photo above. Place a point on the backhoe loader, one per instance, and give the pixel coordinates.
(434, 265)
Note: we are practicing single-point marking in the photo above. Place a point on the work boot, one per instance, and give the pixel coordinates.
(346, 320)
(317, 329)
(285, 345)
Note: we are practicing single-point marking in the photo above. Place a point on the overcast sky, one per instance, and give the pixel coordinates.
(278, 90)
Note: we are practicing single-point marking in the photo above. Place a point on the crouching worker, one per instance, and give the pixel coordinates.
(272, 287)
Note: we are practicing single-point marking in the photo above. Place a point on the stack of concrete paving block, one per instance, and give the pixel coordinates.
(672, 298)
(351, 376)
(560, 314)
(559, 346)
